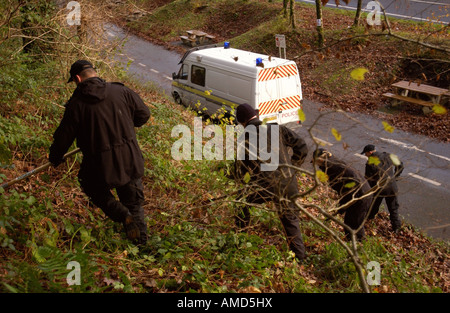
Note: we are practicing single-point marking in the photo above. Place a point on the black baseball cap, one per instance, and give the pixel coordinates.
(78, 67)
(245, 112)
(368, 148)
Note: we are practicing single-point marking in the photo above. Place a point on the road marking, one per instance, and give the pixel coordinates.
(110, 34)
(389, 14)
(154, 71)
(425, 179)
(437, 227)
(323, 141)
(414, 18)
(402, 144)
(430, 2)
(412, 147)
(167, 77)
(143, 65)
(360, 155)
(439, 156)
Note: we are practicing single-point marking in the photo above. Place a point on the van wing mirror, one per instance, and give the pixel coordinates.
(174, 75)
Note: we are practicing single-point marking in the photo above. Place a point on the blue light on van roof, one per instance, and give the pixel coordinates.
(226, 44)
(258, 61)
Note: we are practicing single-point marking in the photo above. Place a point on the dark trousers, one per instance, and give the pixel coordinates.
(392, 205)
(354, 217)
(288, 218)
(291, 225)
(131, 198)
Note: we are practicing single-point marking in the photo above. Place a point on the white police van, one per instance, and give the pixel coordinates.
(214, 77)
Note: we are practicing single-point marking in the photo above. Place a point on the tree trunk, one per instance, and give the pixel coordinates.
(319, 23)
(27, 28)
(358, 13)
(291, 14)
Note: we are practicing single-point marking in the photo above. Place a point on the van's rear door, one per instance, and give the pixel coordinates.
(290, 93)
(280, 94)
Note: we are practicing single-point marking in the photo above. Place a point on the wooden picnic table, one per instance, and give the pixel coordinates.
(403, 90)
(435, 93)
(197, 35)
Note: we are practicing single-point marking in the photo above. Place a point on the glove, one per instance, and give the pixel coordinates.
(54, 160)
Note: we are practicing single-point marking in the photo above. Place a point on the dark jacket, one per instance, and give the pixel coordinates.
(385, 172)
(101, 117)
(347, 182)
(281, 180)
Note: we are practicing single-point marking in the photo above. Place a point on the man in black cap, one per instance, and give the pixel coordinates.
(381, 171)
(277, 183)
(78, 67)
(351, 187)
(101, 117)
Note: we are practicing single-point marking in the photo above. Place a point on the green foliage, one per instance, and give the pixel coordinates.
(400, 268)
(17, 134)
(51, 272)
(338, 268)
(11, 217)
(28, 111)
(240, 258)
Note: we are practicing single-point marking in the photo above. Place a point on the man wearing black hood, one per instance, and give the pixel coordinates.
(351, 187)
(276, 183)
(101, 117)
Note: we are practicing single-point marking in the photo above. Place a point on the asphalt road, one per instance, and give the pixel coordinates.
(437, 11)
(425, 183)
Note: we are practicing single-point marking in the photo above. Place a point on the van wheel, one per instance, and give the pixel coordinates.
(177, 98)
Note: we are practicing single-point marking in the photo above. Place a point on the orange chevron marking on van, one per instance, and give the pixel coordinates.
(283, 104)
(277, 72)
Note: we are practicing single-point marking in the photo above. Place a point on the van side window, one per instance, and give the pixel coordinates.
(198, 75)
(184, 71)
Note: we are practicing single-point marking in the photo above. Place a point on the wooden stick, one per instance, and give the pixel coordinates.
(36, 170)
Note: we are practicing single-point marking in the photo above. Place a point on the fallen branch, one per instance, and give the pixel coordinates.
(36, 170)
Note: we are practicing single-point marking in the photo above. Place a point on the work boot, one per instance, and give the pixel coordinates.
(396, 230)
(396, 227)
(143, 239)
(131, 229)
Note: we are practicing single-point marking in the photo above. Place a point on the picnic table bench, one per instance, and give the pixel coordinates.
(406, 91)
(195, 37)
(189, 41)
